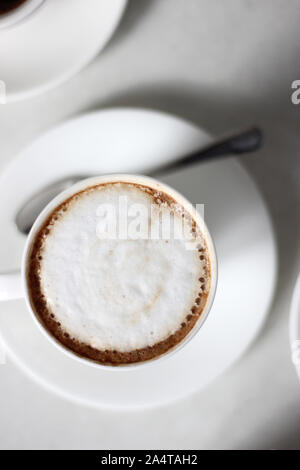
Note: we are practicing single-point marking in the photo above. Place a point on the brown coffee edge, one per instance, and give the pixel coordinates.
(11, 6)
(81, 349)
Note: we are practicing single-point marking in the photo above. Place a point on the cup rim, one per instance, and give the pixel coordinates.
(84, 184)
(19, 13)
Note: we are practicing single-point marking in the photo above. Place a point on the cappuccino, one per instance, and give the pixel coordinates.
(120, 272)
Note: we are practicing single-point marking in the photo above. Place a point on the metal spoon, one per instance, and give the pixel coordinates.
(246, 141)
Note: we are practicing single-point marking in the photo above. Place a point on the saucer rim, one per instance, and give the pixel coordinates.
(294, 321)
(14, 97)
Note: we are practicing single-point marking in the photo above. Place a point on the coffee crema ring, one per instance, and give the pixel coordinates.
(117, 302)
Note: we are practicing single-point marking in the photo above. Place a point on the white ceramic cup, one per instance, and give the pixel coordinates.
(19, 13)
(14, 285)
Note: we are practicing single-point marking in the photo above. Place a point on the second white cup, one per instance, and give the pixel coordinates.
(19, 13)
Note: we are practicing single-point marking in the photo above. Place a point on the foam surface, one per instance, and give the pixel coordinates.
(114, 294)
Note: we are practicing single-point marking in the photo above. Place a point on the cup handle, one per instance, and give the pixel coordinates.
(11, 286)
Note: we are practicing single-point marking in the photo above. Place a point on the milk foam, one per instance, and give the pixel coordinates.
(116, 294)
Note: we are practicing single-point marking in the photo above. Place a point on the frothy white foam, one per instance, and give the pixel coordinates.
(117, 294)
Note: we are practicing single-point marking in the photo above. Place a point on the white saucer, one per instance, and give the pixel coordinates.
(127, 141)
(295, 327)
(55, 43)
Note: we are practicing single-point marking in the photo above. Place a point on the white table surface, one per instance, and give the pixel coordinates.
(222, 64)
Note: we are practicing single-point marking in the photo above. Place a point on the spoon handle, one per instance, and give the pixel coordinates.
(243, 142)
